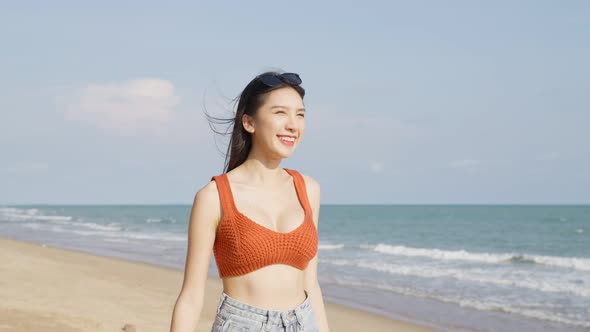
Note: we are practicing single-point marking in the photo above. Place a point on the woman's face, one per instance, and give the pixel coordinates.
(278, 124)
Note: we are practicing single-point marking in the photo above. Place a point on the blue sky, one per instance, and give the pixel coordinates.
(442, 102)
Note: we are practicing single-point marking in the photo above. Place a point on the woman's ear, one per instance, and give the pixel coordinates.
(248, 123)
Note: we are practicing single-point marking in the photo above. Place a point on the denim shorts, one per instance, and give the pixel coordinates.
(233, 315)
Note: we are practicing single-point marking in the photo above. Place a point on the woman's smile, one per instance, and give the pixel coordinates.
(287, 140)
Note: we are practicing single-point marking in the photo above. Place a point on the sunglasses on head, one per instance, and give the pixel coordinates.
(273, 80)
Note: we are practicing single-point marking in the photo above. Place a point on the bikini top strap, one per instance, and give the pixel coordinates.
(225, 194)
(301, 189)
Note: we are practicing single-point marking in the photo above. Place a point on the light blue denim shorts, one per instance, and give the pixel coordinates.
(233, 315)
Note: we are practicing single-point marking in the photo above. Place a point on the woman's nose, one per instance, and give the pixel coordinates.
(292, 122)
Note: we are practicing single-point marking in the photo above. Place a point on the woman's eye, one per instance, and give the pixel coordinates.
(301, 115)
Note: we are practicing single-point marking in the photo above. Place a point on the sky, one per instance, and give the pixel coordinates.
(407, 102)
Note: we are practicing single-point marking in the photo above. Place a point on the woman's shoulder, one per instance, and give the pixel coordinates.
(311, 184)
(306, 177)
(208, 194)
(312, 189)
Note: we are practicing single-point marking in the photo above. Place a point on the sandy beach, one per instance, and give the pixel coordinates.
(50, 289)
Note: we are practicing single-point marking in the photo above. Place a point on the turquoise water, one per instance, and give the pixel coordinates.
(461, 268)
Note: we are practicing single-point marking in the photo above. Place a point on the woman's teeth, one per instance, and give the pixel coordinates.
(287, 140)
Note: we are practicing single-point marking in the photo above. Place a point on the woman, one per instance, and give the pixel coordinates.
(260, 220)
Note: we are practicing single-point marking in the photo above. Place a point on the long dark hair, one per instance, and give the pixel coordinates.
(248, 102)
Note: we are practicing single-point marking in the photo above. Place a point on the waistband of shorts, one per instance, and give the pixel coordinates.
(228, 303)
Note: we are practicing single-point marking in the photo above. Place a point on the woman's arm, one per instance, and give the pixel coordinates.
(311, 280)
(204, 217)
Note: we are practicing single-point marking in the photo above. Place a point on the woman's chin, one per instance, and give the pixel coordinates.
(284, 154)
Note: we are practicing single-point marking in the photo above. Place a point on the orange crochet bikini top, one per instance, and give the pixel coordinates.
(242, 245)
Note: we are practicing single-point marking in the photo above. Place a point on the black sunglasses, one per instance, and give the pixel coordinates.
(273, 80)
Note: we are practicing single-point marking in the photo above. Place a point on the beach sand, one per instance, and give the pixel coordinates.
(50, 289)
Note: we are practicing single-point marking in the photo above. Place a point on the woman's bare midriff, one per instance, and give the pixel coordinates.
(273, 287)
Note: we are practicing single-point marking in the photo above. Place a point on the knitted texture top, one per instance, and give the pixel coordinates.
(242, 245)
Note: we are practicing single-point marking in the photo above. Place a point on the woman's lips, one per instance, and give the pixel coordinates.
(287, 140)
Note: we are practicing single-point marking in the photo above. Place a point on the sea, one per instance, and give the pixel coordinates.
(452, 267)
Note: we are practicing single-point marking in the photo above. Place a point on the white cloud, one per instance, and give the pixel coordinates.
(377, 167)
(361, 135)
(125, 107)
(351, 125)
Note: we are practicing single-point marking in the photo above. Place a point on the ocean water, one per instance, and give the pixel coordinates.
(455, 267)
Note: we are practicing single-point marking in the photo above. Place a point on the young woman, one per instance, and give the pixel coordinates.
(260, 220)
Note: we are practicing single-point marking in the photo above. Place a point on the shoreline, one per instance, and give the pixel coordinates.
(48, 288)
